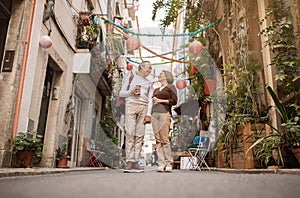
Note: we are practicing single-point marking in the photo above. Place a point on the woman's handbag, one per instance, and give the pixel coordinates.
(120, 101)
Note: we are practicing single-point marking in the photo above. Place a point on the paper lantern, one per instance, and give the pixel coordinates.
(193, 69)
(180, 84)
(129, 66)
(209, 87)
(45, 42)
(133, 43)
(195, 47)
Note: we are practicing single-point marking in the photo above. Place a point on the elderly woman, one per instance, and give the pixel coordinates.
(164, 97)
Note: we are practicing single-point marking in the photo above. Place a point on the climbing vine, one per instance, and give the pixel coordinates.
(282, 43)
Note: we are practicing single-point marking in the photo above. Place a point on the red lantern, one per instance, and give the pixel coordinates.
(193, 69)
(209, 87)
(129, 66)
(133, 43)
(195, 47)
(180, 84)
(45, 42)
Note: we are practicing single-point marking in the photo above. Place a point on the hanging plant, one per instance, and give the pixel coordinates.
(87, 31)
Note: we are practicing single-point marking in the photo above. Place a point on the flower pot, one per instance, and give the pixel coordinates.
(296, 152)
(24, 159)
(62, 162)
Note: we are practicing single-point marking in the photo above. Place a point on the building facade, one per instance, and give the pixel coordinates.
(53, 90)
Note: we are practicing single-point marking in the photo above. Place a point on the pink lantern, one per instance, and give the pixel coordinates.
(129, 66)
(133, 43)
(45, 42)
(180, 84)
(195, 47)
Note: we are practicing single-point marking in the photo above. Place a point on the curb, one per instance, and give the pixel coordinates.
(13, 172)
(257, 171)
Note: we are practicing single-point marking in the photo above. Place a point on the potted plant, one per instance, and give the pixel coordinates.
(293, 129)
(62, 155)
(287, 137)
(26, 146)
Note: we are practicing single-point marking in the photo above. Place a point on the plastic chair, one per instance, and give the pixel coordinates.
(198, 152)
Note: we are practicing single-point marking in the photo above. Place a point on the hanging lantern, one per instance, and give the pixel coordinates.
(195, 47)
(180, 84)
(133, 43)
(45, 42)
(193, 69)
(129, 67)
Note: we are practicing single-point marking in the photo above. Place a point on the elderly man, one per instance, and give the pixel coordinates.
(137, 114)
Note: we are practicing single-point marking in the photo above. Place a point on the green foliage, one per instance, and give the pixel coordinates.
(62, 150)
(171, 8)
(281, 41)
(108, 123)
(264, 146)
(288, 135)
(30, 141)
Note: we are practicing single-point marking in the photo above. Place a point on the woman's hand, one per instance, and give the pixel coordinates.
(147, 119)
(157, 100)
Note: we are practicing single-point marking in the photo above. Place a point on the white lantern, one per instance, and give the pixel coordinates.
(45, 42)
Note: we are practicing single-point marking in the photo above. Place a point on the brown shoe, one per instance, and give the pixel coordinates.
(128, 167)
(137, 168)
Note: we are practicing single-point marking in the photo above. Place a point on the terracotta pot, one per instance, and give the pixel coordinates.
(62, 163)
(24, 159)
(296, 152)
(84, 16)
(275, 167)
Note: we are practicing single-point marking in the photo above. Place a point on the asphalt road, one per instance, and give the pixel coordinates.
(179, 183)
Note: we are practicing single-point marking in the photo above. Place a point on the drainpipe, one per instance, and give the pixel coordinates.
(22, 72)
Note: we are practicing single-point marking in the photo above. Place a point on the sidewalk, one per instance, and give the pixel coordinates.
(12, 172)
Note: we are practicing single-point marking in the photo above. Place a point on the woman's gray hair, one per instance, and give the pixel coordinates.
(169, 76)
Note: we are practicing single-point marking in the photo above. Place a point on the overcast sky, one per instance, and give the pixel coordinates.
(145, 14)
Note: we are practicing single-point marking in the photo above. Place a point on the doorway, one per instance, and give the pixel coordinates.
(45, 101)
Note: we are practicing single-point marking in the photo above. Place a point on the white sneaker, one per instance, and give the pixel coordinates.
(168, 168)
(161, 169)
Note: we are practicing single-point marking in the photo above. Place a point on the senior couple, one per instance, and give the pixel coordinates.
(145, 105)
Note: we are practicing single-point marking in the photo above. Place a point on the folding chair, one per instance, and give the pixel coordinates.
(92, 156)
(198, 152)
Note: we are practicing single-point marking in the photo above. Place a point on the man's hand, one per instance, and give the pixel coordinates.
(147, 119)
